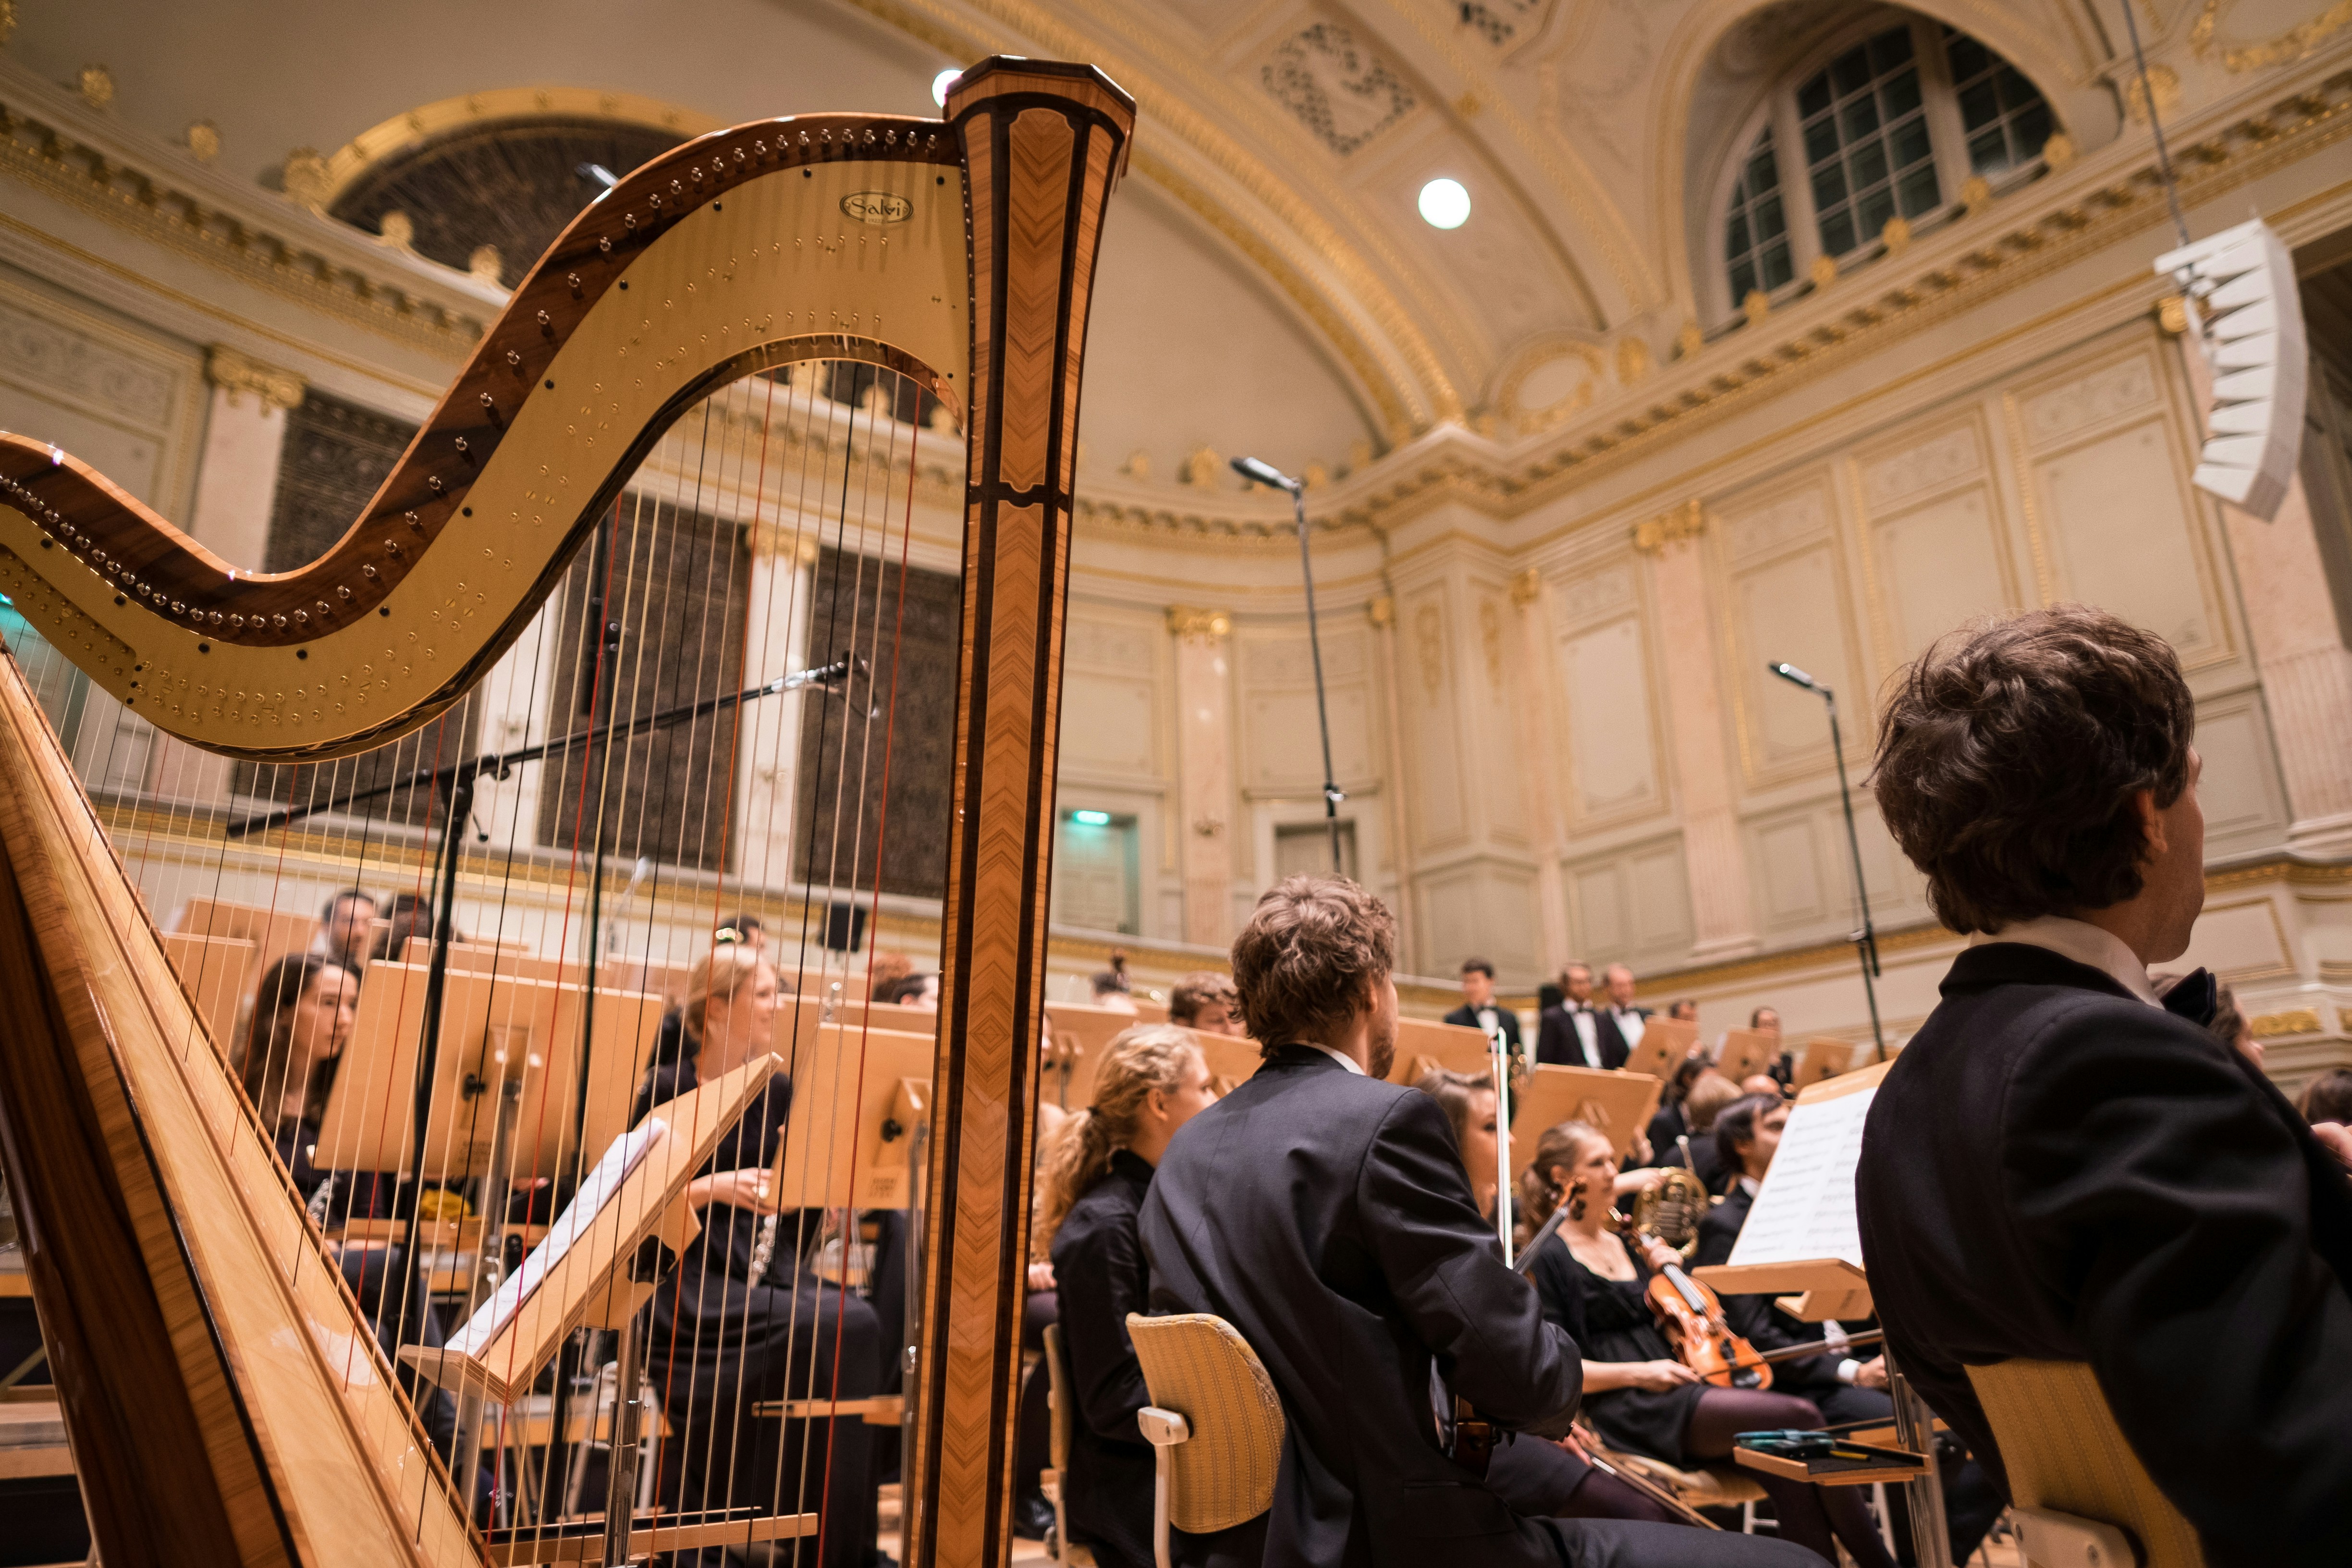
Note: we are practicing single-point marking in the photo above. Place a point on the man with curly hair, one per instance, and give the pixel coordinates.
(2060, 1166)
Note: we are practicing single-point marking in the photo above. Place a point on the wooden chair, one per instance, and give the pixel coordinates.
(1707, 1486)
(1214, 1423)
(1058, 1406)
(2082, 1498)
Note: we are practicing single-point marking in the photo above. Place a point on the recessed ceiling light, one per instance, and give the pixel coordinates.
(1444, 203)
(941, 84)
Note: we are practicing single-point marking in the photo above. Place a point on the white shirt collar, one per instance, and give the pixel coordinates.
(1344, 1060)
(2086, 943)
(1751, 1186)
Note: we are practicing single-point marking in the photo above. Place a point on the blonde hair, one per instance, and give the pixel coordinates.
(1708, 1098)
(1538, 1193)
(1138, 1060)
(726, 969)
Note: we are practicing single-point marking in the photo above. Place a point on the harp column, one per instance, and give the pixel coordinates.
(1044, 143)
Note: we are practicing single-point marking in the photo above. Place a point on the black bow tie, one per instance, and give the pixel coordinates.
(2195, 997)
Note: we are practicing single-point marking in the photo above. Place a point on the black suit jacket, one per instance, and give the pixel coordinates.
(1327, 1217)
(1506, 1020)
(1100, 1270)
(2054, 1169)
(1556, 1041)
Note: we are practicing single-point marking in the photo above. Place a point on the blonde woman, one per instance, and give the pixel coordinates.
(1092, 1181)
(725, 1336)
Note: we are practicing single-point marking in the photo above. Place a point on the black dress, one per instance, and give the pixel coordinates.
(719, 1341)
(1101, 1274)
(1611, 1320)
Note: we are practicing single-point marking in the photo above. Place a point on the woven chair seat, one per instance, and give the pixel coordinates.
(2063, 1452)
(1200, 1367)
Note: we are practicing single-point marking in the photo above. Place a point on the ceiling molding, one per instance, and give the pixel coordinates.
(402, 132)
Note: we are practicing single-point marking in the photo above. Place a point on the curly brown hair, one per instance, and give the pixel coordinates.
(1302, 963)
(1197, 990)
(2009, 755)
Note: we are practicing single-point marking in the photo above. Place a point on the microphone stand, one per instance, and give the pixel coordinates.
(1866, 940)
(1263, 473)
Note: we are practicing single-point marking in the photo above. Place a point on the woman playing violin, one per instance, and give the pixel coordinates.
(1638, 1396)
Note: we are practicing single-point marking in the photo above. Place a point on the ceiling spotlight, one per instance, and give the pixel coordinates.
(941, 84)
(1444, 203)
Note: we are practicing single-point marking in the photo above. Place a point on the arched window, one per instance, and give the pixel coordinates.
(1893, 124)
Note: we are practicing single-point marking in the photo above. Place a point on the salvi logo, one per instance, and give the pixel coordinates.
(877, 207)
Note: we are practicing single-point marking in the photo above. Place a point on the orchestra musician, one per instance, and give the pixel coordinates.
(1574, 1032)
(1206, 1001)
(723, 1336)
(1324, 1213)
(1091, 1184)
(1638, 1396)
(1480, 1010)
(2059, 1167)
(1848, 1386)
(1535, 1476)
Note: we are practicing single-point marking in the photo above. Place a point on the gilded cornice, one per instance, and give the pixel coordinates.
(41, 148)
(2293, 45)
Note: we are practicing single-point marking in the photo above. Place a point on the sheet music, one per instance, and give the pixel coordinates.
(628, 1151)
(1805, 1209)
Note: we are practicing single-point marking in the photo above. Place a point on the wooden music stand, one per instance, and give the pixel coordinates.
(1081, 1034)
(1823, 1060)
(810, 1012)
(1746, 1052)
(616, 1255)
(491, 958)
(273, 932)
(214, 972)
(1232, 1061)
(1666, 1044)
(858, 1097)
(1422, 1045)
(495, 1030)
(1617, 1105)
(651, 977)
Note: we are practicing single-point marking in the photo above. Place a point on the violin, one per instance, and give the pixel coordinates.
(1690, 1316)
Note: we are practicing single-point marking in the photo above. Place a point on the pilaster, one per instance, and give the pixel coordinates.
(1205, 783)
(1542, 761)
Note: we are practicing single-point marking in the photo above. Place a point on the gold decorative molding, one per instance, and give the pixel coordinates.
(418, 125)
(1976, 193)
(397, 230)
(8, 22)
(2163, 81)
(2293, 1021)
(1824, 269)
(1688, 521)
(1633, 361)
(1380, 610)
(2284, 49)
(1756, 307)
(488, 265)
(2172, 314)
(1203, 468)
(305, 177)
(203, 139)
(96, 85)
(1490, 638)
(1189, 623)
(772, 542)
(1527, 587)
(236, 374)
(1690, 340)
(1429, 647)
(2058, 153)
(1896, 235)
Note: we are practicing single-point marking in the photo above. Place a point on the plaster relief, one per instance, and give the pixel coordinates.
(1336, 86)
(2087, 400)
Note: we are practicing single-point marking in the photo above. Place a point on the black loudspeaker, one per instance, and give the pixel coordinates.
(844, 928)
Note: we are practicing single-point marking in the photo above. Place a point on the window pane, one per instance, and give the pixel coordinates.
(1979, 104)
(1871, 212)
(1777, 269)
(1814, 96)
(1919, 193)
(1850, 72)
(1763, 172)
(1768, 220)
(1837, 233)
(1753, 245)
(1901, 94)
(1890, 50)
(1911, 143)
(1829, 188)
(1821, 140)
(2006, 120)
(1859, 119)
(1735, 237)
(1867, 165)
(1743, 278)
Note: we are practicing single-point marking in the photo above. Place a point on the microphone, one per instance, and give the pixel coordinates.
(1265, 473)
(1794, 676)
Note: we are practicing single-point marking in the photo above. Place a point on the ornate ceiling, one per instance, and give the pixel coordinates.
(1280, 291)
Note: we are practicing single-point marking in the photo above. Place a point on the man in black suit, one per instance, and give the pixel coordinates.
(1576, 1033)
(1326, 1215)
(1480, 1009)
(2059, 1168)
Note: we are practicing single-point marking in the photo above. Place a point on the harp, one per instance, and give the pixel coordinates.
(225, 1396)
